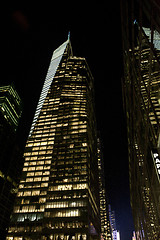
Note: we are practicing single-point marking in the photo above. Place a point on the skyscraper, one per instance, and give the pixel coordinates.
(114, 231)
(141, 91)
(10, 154)
(58, 195)
(104, 211)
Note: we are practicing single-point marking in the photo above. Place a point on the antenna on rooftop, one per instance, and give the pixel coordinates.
(69, 35)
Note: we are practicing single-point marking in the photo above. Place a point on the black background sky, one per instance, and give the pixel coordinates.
(29, 36)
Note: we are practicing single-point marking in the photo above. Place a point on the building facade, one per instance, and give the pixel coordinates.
(10, 154)
(141, 92)
(58, 195)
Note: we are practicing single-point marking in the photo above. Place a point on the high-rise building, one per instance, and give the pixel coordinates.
(115, 233)
(10, 106)
(141, 92)
(134, 236)
(10, 154)
(58, 196)
(104, 212)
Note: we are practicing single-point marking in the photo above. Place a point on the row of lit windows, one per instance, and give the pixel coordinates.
(75, 195)
(22, 217)
(54, 205)
(56, 236)
(63, 213)
(51, 225)
(38, 173)
(44, 147)
(22, 229)
(37, 168)
(63, 187)
(66, 187)
(29, 193)
(60, 224)
(34, 185)
(66, 204)
(74, 179)
(70, 132)
(37, 179)
(72, 121)
(34, 163)
(30, 208)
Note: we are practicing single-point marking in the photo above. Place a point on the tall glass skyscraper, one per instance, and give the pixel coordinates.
(106, 231)
(10, 154)
(58, 195)
(141, 91)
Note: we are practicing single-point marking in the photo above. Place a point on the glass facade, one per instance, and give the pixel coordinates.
(141, 91)
(10, 105)
(57, 196)
(10, 154)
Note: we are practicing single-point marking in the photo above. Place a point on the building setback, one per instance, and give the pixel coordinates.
(58, 196)
(141, 92)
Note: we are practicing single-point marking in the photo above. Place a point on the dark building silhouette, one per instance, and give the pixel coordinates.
(10, 154)
(141, 92)
(58, 195)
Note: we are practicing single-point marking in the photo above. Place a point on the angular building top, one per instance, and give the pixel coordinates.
(54, 63)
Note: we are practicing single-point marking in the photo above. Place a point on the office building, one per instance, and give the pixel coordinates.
(141, 93)
(104, 212)
(115, 233)
(58, 195)
(134, 236)
(10, 167)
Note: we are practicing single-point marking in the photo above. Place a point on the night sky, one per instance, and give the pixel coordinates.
(30, 34)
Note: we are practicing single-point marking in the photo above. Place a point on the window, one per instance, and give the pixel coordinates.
(38, 173)
(27, 193)
(29, 179)
(30, 174)
(34, 193)
(44, 184)
(37, 179)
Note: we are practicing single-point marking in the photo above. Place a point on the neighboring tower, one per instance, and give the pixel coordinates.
(134, 236)
(104, 213)
(10, 167)
(58, 196)
(115, 232)
(141, 92)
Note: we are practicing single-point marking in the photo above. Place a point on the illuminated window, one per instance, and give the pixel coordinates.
(34, 193)
(45, 179)
(27, 193)
(38, 173)
(37, 179)
(31, 168)
(30, 174)
(19, 194)
(42, 200)
(44, 184)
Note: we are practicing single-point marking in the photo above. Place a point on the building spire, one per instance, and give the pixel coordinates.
(69, 35)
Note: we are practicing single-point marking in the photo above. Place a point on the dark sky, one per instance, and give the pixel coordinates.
(29, 36)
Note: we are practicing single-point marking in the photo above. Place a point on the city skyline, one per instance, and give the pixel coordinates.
(30, 38)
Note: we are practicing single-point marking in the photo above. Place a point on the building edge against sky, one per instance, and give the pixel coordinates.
(141, 92)
(57, 196)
